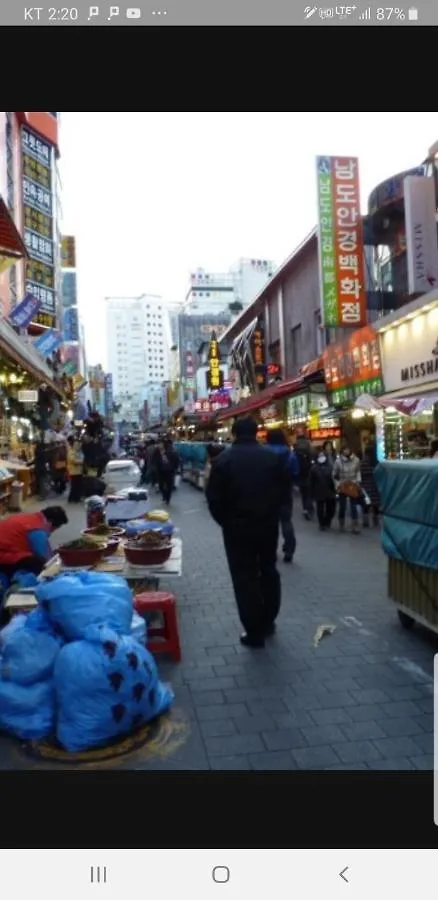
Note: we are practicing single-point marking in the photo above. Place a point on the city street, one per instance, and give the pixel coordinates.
(361, 699)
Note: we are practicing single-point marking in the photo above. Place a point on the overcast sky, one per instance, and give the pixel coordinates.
(152, 196)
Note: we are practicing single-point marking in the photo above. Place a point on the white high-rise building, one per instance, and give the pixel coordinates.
(212, 292)
(138, 341)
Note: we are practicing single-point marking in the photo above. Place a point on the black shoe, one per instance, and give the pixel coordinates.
(250, 640)
(323, 527)
(287, 558)
(270, 629)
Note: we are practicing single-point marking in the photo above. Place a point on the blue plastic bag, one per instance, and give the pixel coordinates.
(28, 656)
(76, 601)
(14, 625)
(39, 620)
(106, 686)
(138, 629)
(139, 526)
(25, 579)
(27, 712)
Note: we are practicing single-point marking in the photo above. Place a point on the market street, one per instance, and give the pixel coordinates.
(361, 699)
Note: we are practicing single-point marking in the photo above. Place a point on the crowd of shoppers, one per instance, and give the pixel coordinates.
(249, 491)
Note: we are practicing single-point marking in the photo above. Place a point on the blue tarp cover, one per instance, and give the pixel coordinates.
(409, 498)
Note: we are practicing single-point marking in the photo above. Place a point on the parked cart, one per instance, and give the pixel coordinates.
(409, 496)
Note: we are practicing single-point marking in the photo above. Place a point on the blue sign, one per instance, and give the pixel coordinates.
(22, 314)
(48, 342)
(70, 323)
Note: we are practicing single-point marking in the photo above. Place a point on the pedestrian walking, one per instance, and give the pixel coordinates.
(303, 449)
(330, 452)
(75, 466)
(371, 493)
(245, 492)
(277, 442)
(347, 479)
(213, 451)
(166, 463)
(322, 489)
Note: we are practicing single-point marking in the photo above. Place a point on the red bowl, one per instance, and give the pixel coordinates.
(147, 556)
(114, 533)
(72, 557)
(112, 546)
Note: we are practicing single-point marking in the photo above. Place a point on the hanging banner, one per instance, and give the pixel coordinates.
(70, 324)
(48, 342)
(341, 246)
(68, 252)
(215, 378)
(38, 231)
(421, 234)
(258, 354)
(22, 315)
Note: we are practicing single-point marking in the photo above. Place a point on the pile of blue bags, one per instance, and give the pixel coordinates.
(77, 667)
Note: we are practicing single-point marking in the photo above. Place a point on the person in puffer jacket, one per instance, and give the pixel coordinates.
(276, 441)
(347, 479)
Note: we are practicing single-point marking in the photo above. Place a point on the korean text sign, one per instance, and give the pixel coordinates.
(215, 376)
(38, 223)
(354, 367)
(341, 247)
(258, 354)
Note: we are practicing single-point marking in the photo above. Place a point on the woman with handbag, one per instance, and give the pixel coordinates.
(347, 479)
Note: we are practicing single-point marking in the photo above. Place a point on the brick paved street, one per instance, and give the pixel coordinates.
(362, 699)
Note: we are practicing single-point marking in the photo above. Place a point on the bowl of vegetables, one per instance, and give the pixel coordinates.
(102, 533)
(150, 548)
(82, 552)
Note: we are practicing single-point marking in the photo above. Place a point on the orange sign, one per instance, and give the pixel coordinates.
(324, 434)
(353, 361)
(44, 123)
(341, 245)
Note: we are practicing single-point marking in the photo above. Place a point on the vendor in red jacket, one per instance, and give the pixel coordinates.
(24, 540)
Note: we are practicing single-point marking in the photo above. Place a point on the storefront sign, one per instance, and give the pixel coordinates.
(421, 234)
(324, 434)
(258, 355)
(70, 323)
(410, 353)
(48, 342)
(202, 406)
(298, 407)
(27, 396)
(22, 314)
(109, 394)
(215, 376)
(341, 247)
(68, 252)
(218, 329)
(37, 186)
(353, 367)
(273, 370)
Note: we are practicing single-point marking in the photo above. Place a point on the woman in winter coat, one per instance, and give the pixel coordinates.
(323, 489)
(347, 479)
(367, 466)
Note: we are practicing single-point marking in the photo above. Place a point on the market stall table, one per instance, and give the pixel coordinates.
(138, 577)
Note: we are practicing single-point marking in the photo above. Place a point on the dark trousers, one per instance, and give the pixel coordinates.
(325, 511)
(28, 564)
(343, 499)
(165, 484)
(288, 531)
(306, 499)
(75, 494)
(252, 560)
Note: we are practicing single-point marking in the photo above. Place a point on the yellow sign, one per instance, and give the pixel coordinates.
(313, 421)
(68, 252)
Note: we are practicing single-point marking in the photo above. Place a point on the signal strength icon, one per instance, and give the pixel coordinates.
(366, 14)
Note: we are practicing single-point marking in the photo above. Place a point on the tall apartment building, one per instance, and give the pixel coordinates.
(212, 292)
(138, 348)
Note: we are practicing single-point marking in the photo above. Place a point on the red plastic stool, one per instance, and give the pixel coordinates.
(166, 638)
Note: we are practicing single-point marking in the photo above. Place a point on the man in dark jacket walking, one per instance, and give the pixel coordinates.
(245, 491)
(277, 441)
(323, 489)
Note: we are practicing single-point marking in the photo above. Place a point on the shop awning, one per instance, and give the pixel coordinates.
(313, 368)
(26, 356)
(263, 398)
(11, 243)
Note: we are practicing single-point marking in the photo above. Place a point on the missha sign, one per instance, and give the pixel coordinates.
(410, 353)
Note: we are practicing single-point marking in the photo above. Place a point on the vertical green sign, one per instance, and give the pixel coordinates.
(326, 241)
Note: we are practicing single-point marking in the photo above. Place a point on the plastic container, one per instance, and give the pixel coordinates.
(147, 556)
(86, 557)
(16, 497)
